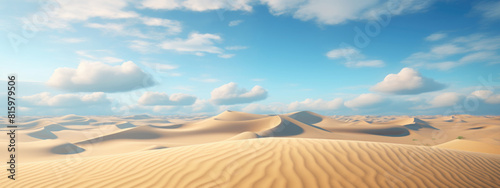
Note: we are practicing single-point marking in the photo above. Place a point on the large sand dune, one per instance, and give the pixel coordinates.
(271, 162)
(237, 149)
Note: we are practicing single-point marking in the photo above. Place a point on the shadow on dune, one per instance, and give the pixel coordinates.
(392, 132)
(67, 149)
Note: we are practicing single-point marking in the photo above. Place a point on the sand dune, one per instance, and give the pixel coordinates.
(468, 145)
(271, 162)
(237, 149)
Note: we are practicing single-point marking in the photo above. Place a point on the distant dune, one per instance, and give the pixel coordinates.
(237, 149)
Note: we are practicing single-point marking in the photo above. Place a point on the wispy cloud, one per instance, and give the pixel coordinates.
(353, 58)
(235, 23)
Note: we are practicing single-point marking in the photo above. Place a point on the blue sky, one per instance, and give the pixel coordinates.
(162, 57)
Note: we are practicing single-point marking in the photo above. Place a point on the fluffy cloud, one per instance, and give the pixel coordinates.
(475, 48)
(157, 99)
(229, 94)
(45, 99)
(353, 58)
(445, 100)
(100, 77)
(316, 105)
(407, 82)
(364, 101)
(435, 37)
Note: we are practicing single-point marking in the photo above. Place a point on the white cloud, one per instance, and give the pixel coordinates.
(229, 94)
(489, 10)
(475, 48)
(339, 11)
(445, 100)
(322, 11)
(479, 57)
(204, 106)
(316, 105)
(198, 5)
(446, 50)
(482, 94)
(97, 76)
(364, 101)
(195, 43)
(72, 40)
(235, 23)
(45, 99)
(353, 58)
(173, 26)
(487, 96)
(368, 63)
(157, 98)
(75, 10)
(236, 47)
(407, 82)
(494, 99)
(435, 36)
(118, 29)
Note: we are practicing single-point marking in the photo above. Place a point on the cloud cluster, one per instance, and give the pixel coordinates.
(45, 99)
(321, 11)
(459, 51)
(339, 11)
(74, 10)
(100, 77)
(353, 58)
(230, 93)
(407, 82)
(163, 99)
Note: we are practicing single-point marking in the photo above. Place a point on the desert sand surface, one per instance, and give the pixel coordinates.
(237, 149)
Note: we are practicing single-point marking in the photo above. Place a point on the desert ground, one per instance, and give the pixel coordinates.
(237, 149)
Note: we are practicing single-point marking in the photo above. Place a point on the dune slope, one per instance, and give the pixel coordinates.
(270, 162)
